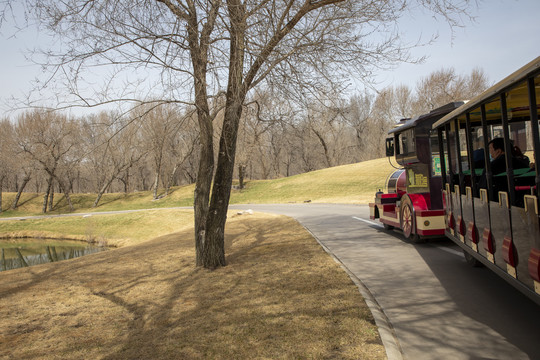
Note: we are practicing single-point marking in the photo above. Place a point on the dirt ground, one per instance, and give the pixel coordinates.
(280, 297)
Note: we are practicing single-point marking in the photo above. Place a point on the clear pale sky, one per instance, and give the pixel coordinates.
(504, 37)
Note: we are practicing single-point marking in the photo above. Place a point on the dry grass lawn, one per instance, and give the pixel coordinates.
(280, 297)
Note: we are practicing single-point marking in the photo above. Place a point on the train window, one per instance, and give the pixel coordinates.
(493, 110)
(412, 141)
(452, 156)
(406, 144)
(464, 157)
(519, 117)
(417, 178)
(401, 144)
(444, 154)
(435, 156)
(390, 146)
(479, 154)
(496, 131)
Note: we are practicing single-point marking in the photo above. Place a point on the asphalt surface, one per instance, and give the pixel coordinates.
(428, 303)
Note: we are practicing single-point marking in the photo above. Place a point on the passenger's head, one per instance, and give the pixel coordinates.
(496, 147)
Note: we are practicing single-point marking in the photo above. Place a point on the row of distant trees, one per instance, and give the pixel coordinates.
(157, 147)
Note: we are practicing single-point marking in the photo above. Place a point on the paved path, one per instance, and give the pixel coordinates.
(436, 306)
(96, 213)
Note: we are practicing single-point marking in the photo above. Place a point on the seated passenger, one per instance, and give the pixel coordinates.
(478, 158)
(498, 157)
(498, 165)
(521, 159)
(479, 154)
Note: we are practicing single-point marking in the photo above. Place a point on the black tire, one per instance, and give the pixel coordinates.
(471, 260)
(417, 239)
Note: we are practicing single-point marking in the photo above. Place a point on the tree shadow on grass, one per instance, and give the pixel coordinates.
(275, 297)
(20, 203)
(253, 308)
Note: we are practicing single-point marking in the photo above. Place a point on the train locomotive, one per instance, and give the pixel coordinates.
(463, 175)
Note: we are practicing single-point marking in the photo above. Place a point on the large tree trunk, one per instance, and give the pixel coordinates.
(205, 172)
(199, 60)
(202, 186)
(213, 248)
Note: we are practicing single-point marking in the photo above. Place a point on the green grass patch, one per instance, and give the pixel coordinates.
(115, 230)
(31, 203)
(355, 183)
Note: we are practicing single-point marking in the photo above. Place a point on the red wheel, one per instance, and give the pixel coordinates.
(406, 218)
(407, 221)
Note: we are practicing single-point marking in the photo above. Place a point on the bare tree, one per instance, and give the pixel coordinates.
(206, 49)
(403, 100)
(159, 124)
(7, 154)
(180, 149)
(48, 139)
(27, 171)
(327, 120)
(117, 151)
(445, 85)
(262, 113)
(359, 111)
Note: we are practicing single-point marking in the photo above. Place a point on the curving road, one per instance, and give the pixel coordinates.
(428, 303)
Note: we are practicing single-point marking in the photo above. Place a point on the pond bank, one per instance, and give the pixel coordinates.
(25, 252)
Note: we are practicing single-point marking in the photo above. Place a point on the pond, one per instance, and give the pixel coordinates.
(27, 252)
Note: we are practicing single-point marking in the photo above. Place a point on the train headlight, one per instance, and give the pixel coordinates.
(426, 223)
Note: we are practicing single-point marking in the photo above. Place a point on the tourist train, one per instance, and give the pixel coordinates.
(467, 172)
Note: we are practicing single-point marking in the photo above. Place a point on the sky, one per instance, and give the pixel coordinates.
(504, 36)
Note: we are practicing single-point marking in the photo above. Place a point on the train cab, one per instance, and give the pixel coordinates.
(412, 201)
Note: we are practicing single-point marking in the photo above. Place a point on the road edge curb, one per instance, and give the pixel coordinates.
(386, 330)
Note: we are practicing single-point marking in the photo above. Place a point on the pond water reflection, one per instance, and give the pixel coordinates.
(27, 252)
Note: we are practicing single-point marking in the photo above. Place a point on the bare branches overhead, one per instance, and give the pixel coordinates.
(109, 50)
(193, 50)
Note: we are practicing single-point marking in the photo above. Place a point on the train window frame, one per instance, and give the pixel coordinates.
(390, 146)
(496, 119)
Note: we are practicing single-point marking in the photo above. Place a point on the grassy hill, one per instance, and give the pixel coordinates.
(355, 183)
